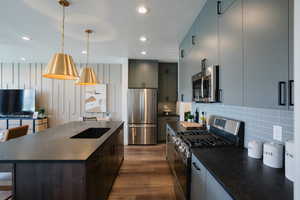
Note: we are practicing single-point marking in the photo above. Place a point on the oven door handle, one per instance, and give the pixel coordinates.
(196, 167)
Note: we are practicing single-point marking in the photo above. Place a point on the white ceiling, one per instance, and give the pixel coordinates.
(116, 23)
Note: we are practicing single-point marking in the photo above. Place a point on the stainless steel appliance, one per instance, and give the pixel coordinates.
(223, 132)
(206, 85)
(142, 116)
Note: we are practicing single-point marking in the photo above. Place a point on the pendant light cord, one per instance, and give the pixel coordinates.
(63, 31)
(87, 49)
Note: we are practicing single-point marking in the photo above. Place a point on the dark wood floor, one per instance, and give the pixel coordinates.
(144, 175)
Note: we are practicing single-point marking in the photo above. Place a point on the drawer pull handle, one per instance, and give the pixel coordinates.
(196, 167)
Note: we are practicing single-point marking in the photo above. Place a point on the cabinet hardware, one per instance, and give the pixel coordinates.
(182, 53)
(220, 95)
(219, 7)
(193, 40)
(291, 92)
(282, 93)
(196, 167)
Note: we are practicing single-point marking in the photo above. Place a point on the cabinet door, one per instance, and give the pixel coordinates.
(143, 74)
(198, 180)
(167, 82)
(207, 34)
(291, 55)
(214, 191)
(231, 54)
(266, 52)
(226, 4)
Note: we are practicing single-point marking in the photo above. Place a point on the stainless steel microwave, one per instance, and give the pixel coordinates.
(206, 85)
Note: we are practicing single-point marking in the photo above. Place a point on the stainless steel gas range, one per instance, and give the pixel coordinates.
(222, 132)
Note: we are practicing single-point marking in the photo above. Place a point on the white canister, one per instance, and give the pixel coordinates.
(289, 160)
(255, 149)
(273, 155)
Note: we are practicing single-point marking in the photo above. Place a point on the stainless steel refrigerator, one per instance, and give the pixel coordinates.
(142, 116)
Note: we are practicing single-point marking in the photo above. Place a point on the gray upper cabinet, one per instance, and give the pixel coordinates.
(207, 34)
(266, 53)
(143, 74)
(167, 81)
(224, 5)
(291, 55)
(231, 54)
(200, 42)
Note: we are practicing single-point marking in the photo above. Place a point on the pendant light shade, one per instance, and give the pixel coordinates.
(87, 75)
(61, 66)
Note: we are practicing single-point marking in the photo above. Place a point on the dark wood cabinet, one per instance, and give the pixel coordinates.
(91, 179)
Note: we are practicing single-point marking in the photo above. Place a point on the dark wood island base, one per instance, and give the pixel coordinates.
(72, 179)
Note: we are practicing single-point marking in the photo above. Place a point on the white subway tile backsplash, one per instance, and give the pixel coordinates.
(258, 122)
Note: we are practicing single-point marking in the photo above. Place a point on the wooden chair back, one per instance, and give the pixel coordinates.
(16, 132)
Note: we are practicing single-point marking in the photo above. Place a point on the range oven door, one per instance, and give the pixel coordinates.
(182, 176)
(170, 151)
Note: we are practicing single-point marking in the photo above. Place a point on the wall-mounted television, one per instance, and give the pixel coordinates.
(17, 102)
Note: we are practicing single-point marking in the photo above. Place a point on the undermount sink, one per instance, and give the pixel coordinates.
(91, 133)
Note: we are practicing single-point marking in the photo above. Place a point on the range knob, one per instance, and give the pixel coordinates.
(181, 148)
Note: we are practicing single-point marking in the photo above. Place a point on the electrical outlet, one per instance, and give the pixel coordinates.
(277, 133)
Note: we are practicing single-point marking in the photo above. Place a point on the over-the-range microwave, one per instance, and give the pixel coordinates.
(206, 85)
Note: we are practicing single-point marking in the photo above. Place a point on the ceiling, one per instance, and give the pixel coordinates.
(116, 23)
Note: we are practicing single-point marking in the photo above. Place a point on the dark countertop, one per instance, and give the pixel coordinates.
(245, 178)
(54, 144)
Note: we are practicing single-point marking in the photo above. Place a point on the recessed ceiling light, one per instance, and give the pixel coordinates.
(142, 10)
(26, 38)
(23, 59)
(84, 52)
(144, 53)
(143, 39)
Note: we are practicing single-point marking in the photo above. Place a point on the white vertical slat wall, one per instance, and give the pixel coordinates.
(62, 99)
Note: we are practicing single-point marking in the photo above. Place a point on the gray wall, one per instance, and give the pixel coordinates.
(62, 99)
(258, 122)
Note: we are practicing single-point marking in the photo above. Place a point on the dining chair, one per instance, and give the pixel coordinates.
(5, 175)
(13, 133)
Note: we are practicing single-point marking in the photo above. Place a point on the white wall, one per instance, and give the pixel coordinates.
(124, 97)
(63, 100)
(297, 96)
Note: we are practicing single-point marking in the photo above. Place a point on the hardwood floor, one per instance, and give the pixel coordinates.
(144, 175)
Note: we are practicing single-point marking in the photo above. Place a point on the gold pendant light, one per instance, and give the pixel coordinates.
(87, 75)
(61, 66)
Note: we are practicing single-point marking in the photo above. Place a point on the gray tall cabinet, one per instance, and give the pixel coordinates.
(231, 52)
(199, 43)
(266, 53)
(252, 42)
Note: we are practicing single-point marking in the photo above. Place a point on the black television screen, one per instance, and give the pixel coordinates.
(17, 101)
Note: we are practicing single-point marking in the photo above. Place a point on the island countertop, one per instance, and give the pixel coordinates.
(55, 144)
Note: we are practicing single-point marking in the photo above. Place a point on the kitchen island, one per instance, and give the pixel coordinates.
(77, 160)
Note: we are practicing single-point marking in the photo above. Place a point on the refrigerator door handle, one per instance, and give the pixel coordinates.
(142, 126)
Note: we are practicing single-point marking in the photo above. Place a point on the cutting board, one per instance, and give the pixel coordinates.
(191, 125)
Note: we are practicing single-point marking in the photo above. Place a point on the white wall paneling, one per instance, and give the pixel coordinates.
(62, 99)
